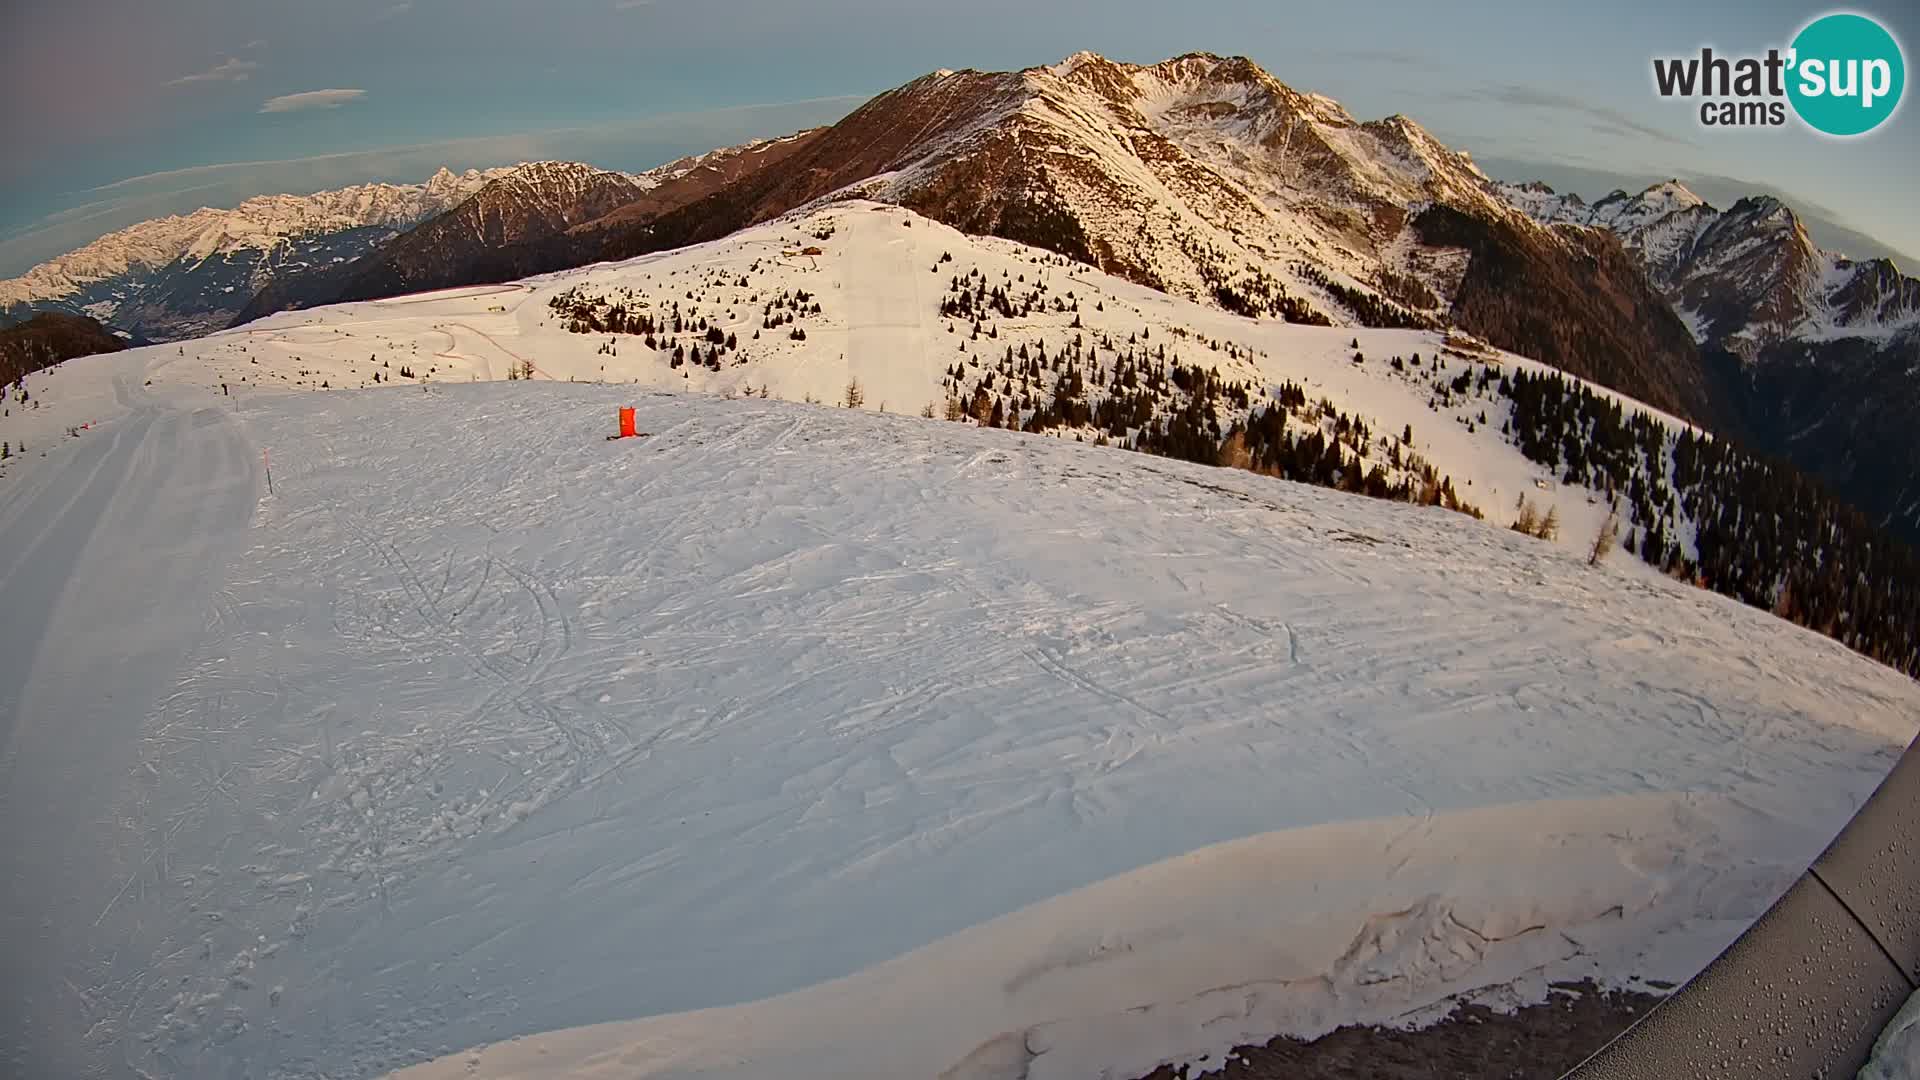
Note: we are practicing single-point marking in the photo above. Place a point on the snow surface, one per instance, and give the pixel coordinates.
(802, 741)
(1896, 1055)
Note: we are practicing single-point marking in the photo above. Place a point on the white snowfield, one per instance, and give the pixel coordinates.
(799, 741)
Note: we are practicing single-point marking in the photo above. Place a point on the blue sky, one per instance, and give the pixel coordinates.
(120, 109)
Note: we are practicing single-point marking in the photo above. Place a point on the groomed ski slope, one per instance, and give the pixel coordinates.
(970, 751)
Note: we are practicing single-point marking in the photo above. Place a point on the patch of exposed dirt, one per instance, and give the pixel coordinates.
(1538, 1042)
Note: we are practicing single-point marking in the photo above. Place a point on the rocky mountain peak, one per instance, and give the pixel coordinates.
(1744, 278)
(1672, 193)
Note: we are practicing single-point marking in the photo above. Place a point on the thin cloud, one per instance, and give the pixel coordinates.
(311, 99)
(631, 5)
(395, 11)
(229, 70)
(828, 109)
(1388, 57)
(1607, 120)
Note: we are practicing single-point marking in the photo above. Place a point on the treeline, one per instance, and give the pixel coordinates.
(1269, 445)
(1763, 532)
(1373, 311)
(1136, 394)
(970, 297)
(50, 338)
(1251, 291)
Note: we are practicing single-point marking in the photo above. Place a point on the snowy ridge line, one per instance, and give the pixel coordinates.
(1200, 174)
(259, 222)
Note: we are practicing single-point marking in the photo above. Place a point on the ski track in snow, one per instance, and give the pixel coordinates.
(497, 727)
(966, 749)
(110, 557)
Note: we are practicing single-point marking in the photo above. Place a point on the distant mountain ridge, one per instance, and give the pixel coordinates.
(1744, 278)
(465, 240)
(1815, 356)
(517, 224)
(1203, 176)
(187, 274)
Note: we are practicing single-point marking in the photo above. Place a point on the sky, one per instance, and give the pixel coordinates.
(118, 110)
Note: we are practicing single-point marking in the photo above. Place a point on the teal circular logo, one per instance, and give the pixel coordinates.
(1848, 74)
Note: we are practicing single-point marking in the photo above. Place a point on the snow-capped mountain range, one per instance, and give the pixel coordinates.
(189, 274)
(1746, 277)
(1195, 175)
(528, 202)
(1813, 356)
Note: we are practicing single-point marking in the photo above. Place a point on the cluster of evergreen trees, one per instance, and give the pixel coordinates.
(1335, 458)
(1763, 533)
(585, 313)
(1251, 291)
(1137, 394)
(970, 298)
(1261, 296)
(1760, 532)
(1575, 300)
(783, 309)
(684, 334)
(47, 339)
(1407, 290)
(1371, 310)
